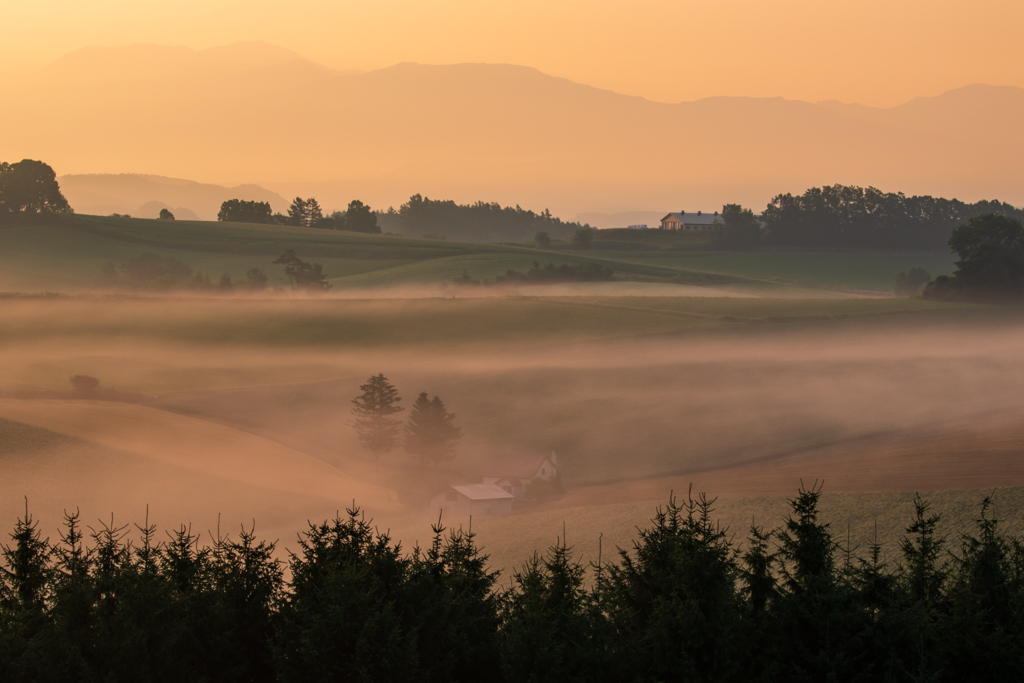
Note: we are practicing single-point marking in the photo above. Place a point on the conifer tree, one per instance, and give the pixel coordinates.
(550, 626)
(372, 416)
(451, 591)
(672, 602)
(297, 212)
(431, 435)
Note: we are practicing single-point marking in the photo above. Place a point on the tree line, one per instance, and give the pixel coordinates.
(848, 216)
(479, 222)
(684, 603)
(546, 274)
(306, 213)
(156, 273)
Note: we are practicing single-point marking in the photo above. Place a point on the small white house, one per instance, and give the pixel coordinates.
(513, 472)
(689, 221)
(481, 500)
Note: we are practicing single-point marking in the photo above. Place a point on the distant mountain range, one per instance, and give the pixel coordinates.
(144, 195)
(254, 112)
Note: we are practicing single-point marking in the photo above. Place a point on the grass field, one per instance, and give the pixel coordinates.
(66, 254)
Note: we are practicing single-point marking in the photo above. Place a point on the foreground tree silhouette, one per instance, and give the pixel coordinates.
(551, 625)
(372, 416)
(672, 602)
(431, 435)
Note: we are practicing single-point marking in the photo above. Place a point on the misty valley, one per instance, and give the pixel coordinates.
(774, 437)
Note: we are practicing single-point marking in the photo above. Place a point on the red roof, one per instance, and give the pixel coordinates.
(518, 466)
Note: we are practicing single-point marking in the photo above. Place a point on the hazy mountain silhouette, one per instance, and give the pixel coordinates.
(254, 112)
(145, 195)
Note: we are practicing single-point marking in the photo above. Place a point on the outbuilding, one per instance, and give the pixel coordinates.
(482, 500)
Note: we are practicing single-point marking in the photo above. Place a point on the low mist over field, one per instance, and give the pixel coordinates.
(411, 341)
(625, 390)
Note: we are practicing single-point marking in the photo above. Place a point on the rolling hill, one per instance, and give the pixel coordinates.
(66, 254)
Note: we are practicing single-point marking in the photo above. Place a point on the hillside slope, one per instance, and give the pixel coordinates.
(66, 254)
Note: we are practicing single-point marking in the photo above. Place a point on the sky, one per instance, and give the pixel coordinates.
(875, 52)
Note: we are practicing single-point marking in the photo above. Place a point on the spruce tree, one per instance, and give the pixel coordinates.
(431, 435)
(372, 416)
(672, 602)
(550, 627)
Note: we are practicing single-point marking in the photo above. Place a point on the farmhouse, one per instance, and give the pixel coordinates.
(513, 473)
(483, 500)
(689, 221)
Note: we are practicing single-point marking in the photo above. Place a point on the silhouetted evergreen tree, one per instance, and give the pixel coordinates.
(455, 608)
(551, 627)
(347, 616)
(672, 602)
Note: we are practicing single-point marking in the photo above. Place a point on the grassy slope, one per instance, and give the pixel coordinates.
(67, 253)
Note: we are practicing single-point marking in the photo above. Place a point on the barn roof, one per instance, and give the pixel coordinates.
(519, 466)
(695, 218)
(483, 491)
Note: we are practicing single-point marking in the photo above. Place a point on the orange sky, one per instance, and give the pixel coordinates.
(878, 52)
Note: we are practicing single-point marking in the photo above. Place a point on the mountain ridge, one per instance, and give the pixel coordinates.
(506, 133)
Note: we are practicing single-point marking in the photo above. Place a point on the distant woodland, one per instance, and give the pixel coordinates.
(685, 603)
(419, 217)
(836, 216)
(856, 217)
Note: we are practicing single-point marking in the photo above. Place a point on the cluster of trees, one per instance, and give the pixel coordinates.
(910, 283)
(155, 273)
(430, 435)
(991, 265)
(550, 273)
(849, 216)
(479, 222)
(30, 187)
(684, 603)
(241, 211)
(738, 228)
(358, 217)
(303, 275)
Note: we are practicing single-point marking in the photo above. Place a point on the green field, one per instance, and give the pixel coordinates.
(66, 254)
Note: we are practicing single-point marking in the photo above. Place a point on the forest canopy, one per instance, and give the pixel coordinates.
(850, 216)
(479, 222)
